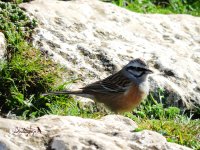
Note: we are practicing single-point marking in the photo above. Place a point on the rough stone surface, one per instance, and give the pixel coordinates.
(2, 46)
(94, 39)
(68, 132)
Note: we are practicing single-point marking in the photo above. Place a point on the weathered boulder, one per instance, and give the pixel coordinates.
(94, 39)
(68, 132)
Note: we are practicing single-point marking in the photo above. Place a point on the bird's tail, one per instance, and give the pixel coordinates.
(63, 92)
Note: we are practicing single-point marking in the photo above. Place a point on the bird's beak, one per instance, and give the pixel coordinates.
(149, 71)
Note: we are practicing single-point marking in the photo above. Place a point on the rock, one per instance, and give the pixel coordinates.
(93, 39)
(68, 132)
(2, 46)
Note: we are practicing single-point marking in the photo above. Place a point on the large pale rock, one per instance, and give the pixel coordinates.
(67, 132)
(2, 46)
(93, 39)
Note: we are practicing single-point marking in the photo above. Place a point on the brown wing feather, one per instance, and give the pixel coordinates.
(113, 84)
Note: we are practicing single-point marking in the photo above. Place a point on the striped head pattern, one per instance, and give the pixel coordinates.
(137, 70)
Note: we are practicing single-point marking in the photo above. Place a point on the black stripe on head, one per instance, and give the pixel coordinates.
(136, 68)
(132, 69)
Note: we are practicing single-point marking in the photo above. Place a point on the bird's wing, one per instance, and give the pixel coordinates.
(114, 83)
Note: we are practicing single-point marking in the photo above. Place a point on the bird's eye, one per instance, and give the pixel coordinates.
(139, 69)
(135, 68)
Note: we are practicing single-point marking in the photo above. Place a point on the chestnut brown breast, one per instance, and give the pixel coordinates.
(130, 99)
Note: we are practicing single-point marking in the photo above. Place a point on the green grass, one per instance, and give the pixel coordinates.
(191, 7)
(176, 131)
(64, 105)
(16, 1)
(171, 122)
(26, 73)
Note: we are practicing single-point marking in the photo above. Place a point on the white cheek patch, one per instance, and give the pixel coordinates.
(136, 73)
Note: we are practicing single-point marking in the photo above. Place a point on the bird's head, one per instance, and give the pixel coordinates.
(137, 70)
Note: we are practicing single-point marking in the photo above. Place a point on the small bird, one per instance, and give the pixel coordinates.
(121, 91)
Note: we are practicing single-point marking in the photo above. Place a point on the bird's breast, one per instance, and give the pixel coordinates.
(131, 98)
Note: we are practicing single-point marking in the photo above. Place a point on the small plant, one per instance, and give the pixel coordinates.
(16, 26)
(172, 112)
(155, 108)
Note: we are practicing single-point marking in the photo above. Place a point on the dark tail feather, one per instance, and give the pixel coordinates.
(62, 92)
